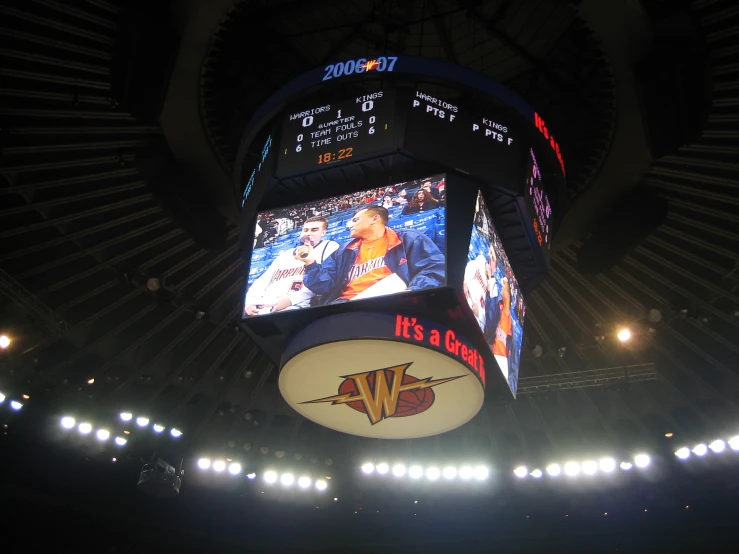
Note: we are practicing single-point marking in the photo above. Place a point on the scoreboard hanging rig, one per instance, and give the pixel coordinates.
(395, 212)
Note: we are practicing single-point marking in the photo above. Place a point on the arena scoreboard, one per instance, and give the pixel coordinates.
(395, 213)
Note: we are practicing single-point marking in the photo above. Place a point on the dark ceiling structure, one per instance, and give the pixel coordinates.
(102, 280)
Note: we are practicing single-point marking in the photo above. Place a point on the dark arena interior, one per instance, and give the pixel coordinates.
(153, 167)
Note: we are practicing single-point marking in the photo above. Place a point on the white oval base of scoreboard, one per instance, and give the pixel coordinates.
(311, 378)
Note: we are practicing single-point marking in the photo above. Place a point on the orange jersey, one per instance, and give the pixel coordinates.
(369, 268)
(505, 330)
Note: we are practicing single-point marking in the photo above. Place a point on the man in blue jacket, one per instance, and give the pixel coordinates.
(377, 261)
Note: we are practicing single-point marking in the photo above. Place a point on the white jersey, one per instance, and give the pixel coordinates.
(284, 277)
(475, 277)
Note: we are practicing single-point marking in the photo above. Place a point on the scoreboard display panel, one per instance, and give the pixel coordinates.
(538, 205)
(319, 136)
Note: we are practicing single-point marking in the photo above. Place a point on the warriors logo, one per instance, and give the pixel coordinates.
(384, 393)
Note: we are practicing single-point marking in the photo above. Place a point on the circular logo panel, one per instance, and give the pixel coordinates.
(381, 389)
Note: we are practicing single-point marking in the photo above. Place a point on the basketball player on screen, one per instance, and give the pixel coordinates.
(503, 343)
(377, 261)
(281, 286)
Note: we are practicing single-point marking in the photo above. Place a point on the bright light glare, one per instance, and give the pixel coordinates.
(2, 398)
(251, 476)
(126, 416)
(234, 469)
(304, 482)
(521, 472)
(203, 463)
(84, 428)
(219, 465)
(466, 472)
(158, 428)
(175, 433)
(572, 469)
(68, 422)
(287, 479)
(91, 381)
(399, 470)
(415, 472)
(700, 450)
(383, 468)
(734, 443)
(270, 476)
(683, 453)
(718, 446)
(607, 465)
(321, 485)
(449, 472)
(481, 473)
(368, 468)
(4, 341)
(642, 460)
(536, 474)
(624, 335)
(16, 405)
(142, 421)
(433, 473)
(626, 466)
(554, 470)
(103, 434)
(589, 467)
(120, 441)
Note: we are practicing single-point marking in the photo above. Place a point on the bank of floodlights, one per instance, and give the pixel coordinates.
(717, 446)
(430, 473)
(587, 468)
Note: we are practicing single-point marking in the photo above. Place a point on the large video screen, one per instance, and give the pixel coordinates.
(362, 245)
(537, 202)
(493, 294)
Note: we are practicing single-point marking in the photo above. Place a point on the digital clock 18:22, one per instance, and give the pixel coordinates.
(341, 154)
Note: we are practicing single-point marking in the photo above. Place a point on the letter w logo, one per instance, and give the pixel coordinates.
(378, 391)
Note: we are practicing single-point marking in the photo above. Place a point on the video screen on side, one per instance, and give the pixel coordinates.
(493, 294)
(377, 242)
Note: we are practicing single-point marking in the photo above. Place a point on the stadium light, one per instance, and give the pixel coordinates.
(126, 416)
(120, 441)
(251, 476)
(368, 468)
(2, 398)
(683, 453)
(4, 341)
(234, 469)
(734, 442)
(321, 485)
(432, 473)
(589, 467)
(624, 335)
(607, 465)
(304, 482)
(718, 446)
(572, 469)
(142, 421)
(15, 405)
(102, 434)
(521, 472)
(158, 428)
(536, 474)
(481, 473)
(287, 479)
(383, 468)
(399, 470)
(84, 428)
(449, 472)
(415, 472)
(219, 465)
(700, 450)
(642, 460)
(176, 433)
(68, 422)
(554, 470)
(203, 463)
(270, 476)
(465, 472)
(626, 466)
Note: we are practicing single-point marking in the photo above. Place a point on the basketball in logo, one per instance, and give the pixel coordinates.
(410, 402)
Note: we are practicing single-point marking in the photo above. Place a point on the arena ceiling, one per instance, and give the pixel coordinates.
(82, 236)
